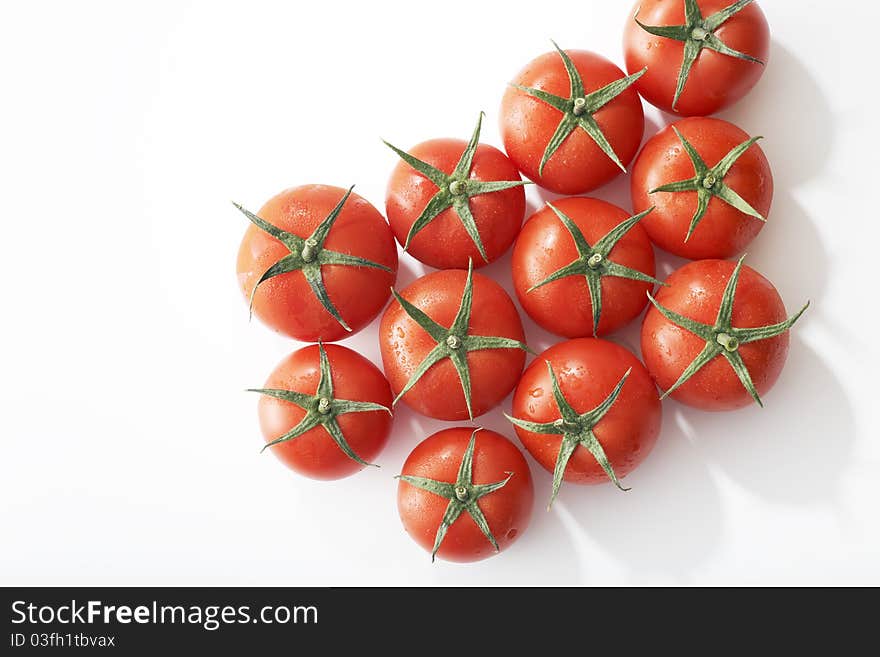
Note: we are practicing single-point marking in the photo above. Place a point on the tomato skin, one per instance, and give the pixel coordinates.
(314, 454)
(527, 124)
(564, 307)
(286, 303)
(694, 291)
(715, 81)
(588, 369)
(404, 344)
(444, 243)
(507, 510)
(723, 231)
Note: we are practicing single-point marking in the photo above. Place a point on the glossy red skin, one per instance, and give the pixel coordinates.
(404, 344)
(444, 243)
(507, 510)
(286, 303)
(723, 231)
(314, 454)
(588, 369)
(715, 81)
(695, 291)
(527, 124)
(564, 306)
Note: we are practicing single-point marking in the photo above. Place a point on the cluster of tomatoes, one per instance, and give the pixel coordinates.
(318, 263)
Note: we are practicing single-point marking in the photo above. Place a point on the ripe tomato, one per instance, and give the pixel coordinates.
(589, 251)
(588, 411)
(701, 55)
(715, 311)
(450, 201)
(325, 411)
(452, 345)
(571, 121)
(317, 263)
(465, 472)
(710, 186)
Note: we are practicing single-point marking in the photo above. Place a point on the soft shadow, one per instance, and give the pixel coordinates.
(408, 270)
(789, 109)
(801, 273)
(668, 524)
(797, 449)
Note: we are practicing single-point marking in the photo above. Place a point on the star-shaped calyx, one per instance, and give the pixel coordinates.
(463, 495)
(454, 190)
(698, 33)
(578, 109)
(709, 181)
(321, 409)
(575, 429)
(724, 339)
(454, 342)
(593, 263)
(309, 256)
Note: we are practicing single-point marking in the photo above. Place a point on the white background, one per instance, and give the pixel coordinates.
(130, 451)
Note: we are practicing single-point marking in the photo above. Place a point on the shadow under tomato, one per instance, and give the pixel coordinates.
(788, 107)
(789, 251)
(671, 520)
(798, 448)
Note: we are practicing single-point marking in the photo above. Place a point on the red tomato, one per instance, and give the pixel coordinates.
(714, 80)
(565, 305)
(288, 302)
(455, 201)
(450, 475)
(725, 212)
(588, 371)
(528, 124)
(737, 362)
(355, 394)
(492, 319)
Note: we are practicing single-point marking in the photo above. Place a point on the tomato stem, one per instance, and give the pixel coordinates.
(305, 251)
(576, 429)
(727, 341)
(697, 33)
(327, 411)
(463, 495)
(453, 342)
(580, 106)
(722, 338)
(310, 250)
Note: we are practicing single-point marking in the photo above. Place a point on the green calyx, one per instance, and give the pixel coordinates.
(698, 33)
(709, 181)
(575, 429)
(322, 409)
(723, 339)
(463, 495)
(593, 263)
(578, 109)
(454, 342)
(454, 190)
(309, 256)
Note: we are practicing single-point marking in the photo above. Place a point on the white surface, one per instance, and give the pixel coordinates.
(130, 451)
